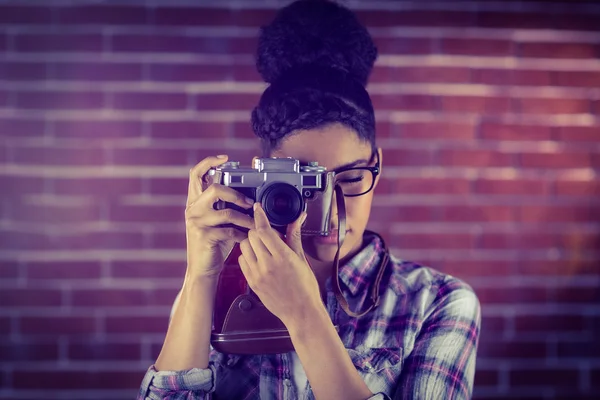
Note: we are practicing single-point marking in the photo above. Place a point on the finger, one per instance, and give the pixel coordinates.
(196, 174)
(246, 270)
(216, 192)
(248, 253)
(260, 250)
(268, 235)
(294, 235)
(221, 217)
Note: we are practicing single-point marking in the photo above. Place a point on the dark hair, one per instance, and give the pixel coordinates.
(317, 58)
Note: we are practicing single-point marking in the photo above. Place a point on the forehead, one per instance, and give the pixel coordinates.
(330, 146)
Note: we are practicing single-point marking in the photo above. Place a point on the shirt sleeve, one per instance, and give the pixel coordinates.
(195, 383)
(442, 362)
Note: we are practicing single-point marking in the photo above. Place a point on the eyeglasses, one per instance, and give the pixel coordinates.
(356, 181)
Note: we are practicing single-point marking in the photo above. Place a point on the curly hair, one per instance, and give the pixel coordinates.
(317, 58)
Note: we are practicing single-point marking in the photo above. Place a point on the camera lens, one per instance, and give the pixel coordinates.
(282, 203)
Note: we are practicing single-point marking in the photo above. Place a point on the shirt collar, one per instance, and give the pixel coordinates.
(358, 272)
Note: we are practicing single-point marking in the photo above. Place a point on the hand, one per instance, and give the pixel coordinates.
(278, 272)
(208, 244)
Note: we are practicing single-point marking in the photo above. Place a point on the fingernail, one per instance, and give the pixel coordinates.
(249, 201)
(256, 205)
(222, 156)
(304, 215)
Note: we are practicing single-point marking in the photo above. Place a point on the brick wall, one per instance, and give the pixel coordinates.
(489, 115)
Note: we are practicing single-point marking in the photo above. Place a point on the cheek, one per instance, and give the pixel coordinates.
(358, 210)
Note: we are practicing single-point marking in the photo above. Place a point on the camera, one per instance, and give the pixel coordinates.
(285, 189)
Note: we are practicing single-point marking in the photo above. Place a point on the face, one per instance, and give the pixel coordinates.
(333, 147)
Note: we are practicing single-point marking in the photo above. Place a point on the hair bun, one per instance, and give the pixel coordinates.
(318, 33)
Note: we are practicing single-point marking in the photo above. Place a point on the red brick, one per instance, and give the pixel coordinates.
(498, 76)
(576, 78)
(436, 130)
(149, 101)
(167, 43)
(191, 72)
(477, 268)
(190, 129)
(80, 156)
(523, 77)
(22, 71)
(147, 269)
(430, 186)
(402, 213)
(134, 324)
(30, 298)
(577, 133)
(567, 268)
(9, 269)
(479, 47)
(150, 156)
(198, 16)
(404, 102)
(42, 100)
(475, 104)
(18, 240)
(551, 213)
(501, 349)
(557, 50)
(476, 213)
(244, 71)
(21, 185)
(3, 42)
(512, 186)
(100, 240)
(63, 270)
(520, 240)
(549, 323)
(497, 19)
(407, 17)
(108, 298)
(578, 294)
(56, 325)
(552, 106)
(512, 295)
(492, 327)
(407, 157)
(434, 241)
(108, 351)
(170, 186)
(169, 240)
(420, 74)
(146, 213)
(24, 352)
(11, 14)
(103, 15)
(97, 129)
(13, 127)
(557, 378)
(226, 101)
(577, 348)
(561, 159)
(96, 72)
(577, 188)
(58, 42)
(404, 45)
(106, 187)
(474, 158)
(5, 325)
(502, 131)
(485, 378)
(75, 379)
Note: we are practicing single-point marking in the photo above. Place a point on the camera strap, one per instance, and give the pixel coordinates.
(335, 279)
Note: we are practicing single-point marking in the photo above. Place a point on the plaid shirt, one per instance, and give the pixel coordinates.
(419, 343)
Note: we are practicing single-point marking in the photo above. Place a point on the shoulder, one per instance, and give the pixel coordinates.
(431, 288)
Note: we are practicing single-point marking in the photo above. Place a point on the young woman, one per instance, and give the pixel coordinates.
(419, 342)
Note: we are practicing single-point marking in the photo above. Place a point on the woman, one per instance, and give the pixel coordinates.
(418, 343)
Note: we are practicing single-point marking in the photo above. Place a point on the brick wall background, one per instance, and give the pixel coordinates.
(489, 115)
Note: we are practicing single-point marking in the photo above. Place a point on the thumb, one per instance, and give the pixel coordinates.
(293, 235)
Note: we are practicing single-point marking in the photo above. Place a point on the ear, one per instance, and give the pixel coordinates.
(380, 153)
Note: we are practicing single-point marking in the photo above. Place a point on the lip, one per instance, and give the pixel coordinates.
(331, 239)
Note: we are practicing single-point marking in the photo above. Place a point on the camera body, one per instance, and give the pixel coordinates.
(285, 189)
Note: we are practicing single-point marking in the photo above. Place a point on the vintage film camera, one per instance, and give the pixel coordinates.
(241, 323)
(284, 188)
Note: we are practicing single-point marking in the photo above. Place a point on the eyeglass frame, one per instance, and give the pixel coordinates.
(374, 170)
